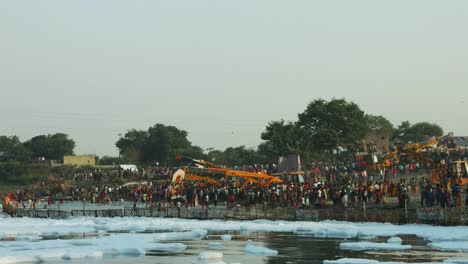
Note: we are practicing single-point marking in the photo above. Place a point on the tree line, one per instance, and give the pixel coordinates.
(48, 147)
(324, 128)
(16, 157)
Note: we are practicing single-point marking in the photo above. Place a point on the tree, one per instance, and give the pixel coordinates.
(191, 151)
(216, 156)
(239, 156)
(131, 144)
(61, 145)
(108, 160)
(281, 139)
(51, 147)
(164, 143)
(160, 143)
(13, 159)
(11, 149)
(332, 125)
(406, 132)
(400, 134)
(379, 125)
(424, 130)
(38, 146)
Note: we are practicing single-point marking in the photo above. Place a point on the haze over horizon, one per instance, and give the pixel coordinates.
(222, 70)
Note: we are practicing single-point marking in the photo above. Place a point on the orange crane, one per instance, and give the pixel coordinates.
(209, 173)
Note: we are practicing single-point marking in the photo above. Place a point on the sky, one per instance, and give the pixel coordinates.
(222, 70)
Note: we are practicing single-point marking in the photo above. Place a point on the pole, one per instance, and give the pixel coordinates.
(365, 214)
(406, 209)
(445, 209)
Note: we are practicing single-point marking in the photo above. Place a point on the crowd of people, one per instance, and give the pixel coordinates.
(344, 183)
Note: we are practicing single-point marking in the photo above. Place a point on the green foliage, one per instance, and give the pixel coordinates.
(131, 144)
(406, 132)
(281, 139)
(64, 171)
(163, 143)
(51, 147)
(379, 125)
(10, 169)
(423, 130)
(15, 172)
(11, 149)
(216, 156)
(107, 160)
(191, 151)
(15, 157)
(239, 156)
(159, 144)
(332, 125)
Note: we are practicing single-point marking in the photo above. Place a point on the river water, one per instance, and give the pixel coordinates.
(43, 236)
(292, 248)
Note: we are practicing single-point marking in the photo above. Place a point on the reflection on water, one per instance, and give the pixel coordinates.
(292, 249)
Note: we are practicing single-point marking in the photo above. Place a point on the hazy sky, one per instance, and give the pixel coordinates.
(223, 69)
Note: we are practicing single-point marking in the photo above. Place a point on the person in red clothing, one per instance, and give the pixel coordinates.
(231, 200)
(11, 197)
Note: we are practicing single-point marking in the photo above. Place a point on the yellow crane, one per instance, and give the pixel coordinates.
(210, 173)
(456, 171)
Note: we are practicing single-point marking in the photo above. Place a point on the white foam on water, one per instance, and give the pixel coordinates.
(450, 246)
(38, 227)
(215, 244)
(456, 261)
(226, 237)
(210, 255)
(90, 253)
(131, 245)
(395, 240)
(361, 246)
(196, 234)
(259, 250)
(18, 259)
(393, 243)
(28, 229)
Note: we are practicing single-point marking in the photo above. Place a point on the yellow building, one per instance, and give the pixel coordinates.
(82, 160)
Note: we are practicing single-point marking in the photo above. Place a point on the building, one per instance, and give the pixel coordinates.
(82, 160)
(454, 142)
(376, 143)
(460, 142)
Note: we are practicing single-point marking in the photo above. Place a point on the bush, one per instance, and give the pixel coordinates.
(15, 172)
(63, 171)
(11, 169)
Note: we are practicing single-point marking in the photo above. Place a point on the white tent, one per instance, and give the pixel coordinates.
(129, 167)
